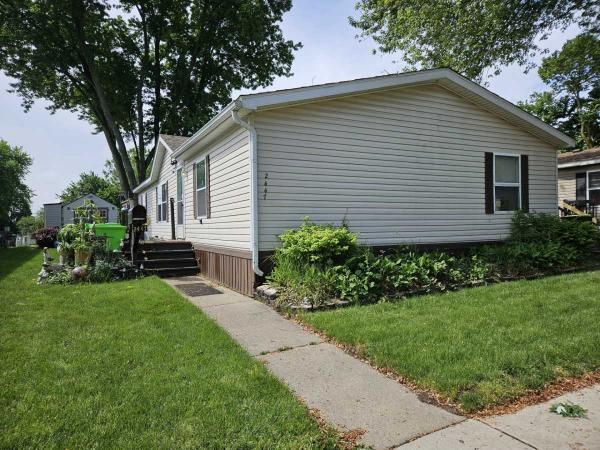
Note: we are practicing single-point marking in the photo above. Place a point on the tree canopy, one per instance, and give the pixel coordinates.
(91, 183)
(469, 36)
(15, 195)
(573, 103)
(134, 68)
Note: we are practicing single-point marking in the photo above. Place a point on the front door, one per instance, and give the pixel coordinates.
(179, 208)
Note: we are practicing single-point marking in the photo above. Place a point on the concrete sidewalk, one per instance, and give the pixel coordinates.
(351, 395)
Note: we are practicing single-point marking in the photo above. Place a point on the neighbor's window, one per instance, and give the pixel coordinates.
(103, 214)
(201, 188)
(179, 197)
(162, 203)
(594, 186)
(507, 183)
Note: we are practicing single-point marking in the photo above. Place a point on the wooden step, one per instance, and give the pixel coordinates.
(165, 245)
(168, 262)
(166, 272)
(165, 253)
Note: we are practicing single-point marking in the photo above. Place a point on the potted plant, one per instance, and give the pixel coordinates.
(83, 251)
(66, 238)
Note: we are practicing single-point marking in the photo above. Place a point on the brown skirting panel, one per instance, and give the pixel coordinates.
(232, 268)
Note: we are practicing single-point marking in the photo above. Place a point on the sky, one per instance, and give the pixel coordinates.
(62, 146)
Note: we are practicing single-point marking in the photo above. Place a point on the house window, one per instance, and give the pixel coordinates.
(142, 199)
(201, 188)
(161, 211)
(593, 187)
(179, 197)
(507, 182)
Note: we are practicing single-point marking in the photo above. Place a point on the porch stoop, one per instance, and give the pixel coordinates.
(167, 258)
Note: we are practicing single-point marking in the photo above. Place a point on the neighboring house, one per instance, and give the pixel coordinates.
(59, 214)
(424, 158)
(579, 180)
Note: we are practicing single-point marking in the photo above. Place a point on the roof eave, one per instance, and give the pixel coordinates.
(444, 77)
(589, 162)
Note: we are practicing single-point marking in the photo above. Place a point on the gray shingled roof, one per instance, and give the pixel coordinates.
(174, 142)
(579, 156)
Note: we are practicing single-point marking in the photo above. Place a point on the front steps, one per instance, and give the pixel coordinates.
(167, 258)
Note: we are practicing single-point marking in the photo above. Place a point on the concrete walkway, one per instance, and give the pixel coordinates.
(351, 395)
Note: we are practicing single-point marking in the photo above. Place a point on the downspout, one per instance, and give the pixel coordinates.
(253, 190)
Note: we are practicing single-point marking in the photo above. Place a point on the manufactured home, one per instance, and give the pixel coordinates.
(424, 158)
(579, 181)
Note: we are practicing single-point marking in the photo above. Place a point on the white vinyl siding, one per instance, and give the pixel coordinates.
(160, 229)
(401, 166)
(229, 222)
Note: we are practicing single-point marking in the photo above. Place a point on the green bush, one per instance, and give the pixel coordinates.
(542, 243)
(582, 235)
(320, 244)
(318, 262)
(368, 278)
(300, 282)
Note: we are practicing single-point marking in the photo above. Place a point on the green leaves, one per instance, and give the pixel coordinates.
(132, 68)
(568, 409)
(319, 244)
(469, 37)
(15, 195)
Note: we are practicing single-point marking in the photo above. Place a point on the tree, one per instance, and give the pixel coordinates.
(106, 187)
(132, 68)
(469, 36)
(15, 195)
(573, 104)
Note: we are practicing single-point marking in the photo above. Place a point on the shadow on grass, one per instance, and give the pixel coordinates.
(13, 258)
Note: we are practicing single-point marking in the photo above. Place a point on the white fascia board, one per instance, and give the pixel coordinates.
(324, 91)
(579, 163)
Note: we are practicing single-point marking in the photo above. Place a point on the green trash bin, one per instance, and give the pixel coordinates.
(114, 233)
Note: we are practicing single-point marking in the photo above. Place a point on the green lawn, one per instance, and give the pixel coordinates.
(480, 346)
(130, 365)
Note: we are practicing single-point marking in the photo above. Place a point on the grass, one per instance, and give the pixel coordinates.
(130, 365)
(482, 346)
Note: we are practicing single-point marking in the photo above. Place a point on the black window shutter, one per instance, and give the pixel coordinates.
(489, 183)
(581, 186)
(525, 183)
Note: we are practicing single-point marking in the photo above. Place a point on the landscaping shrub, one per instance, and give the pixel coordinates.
(368, 278)
(320, 244)
(302, 282)
(542, 243)
(582, 235)
(318, 262)
(45, 237)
